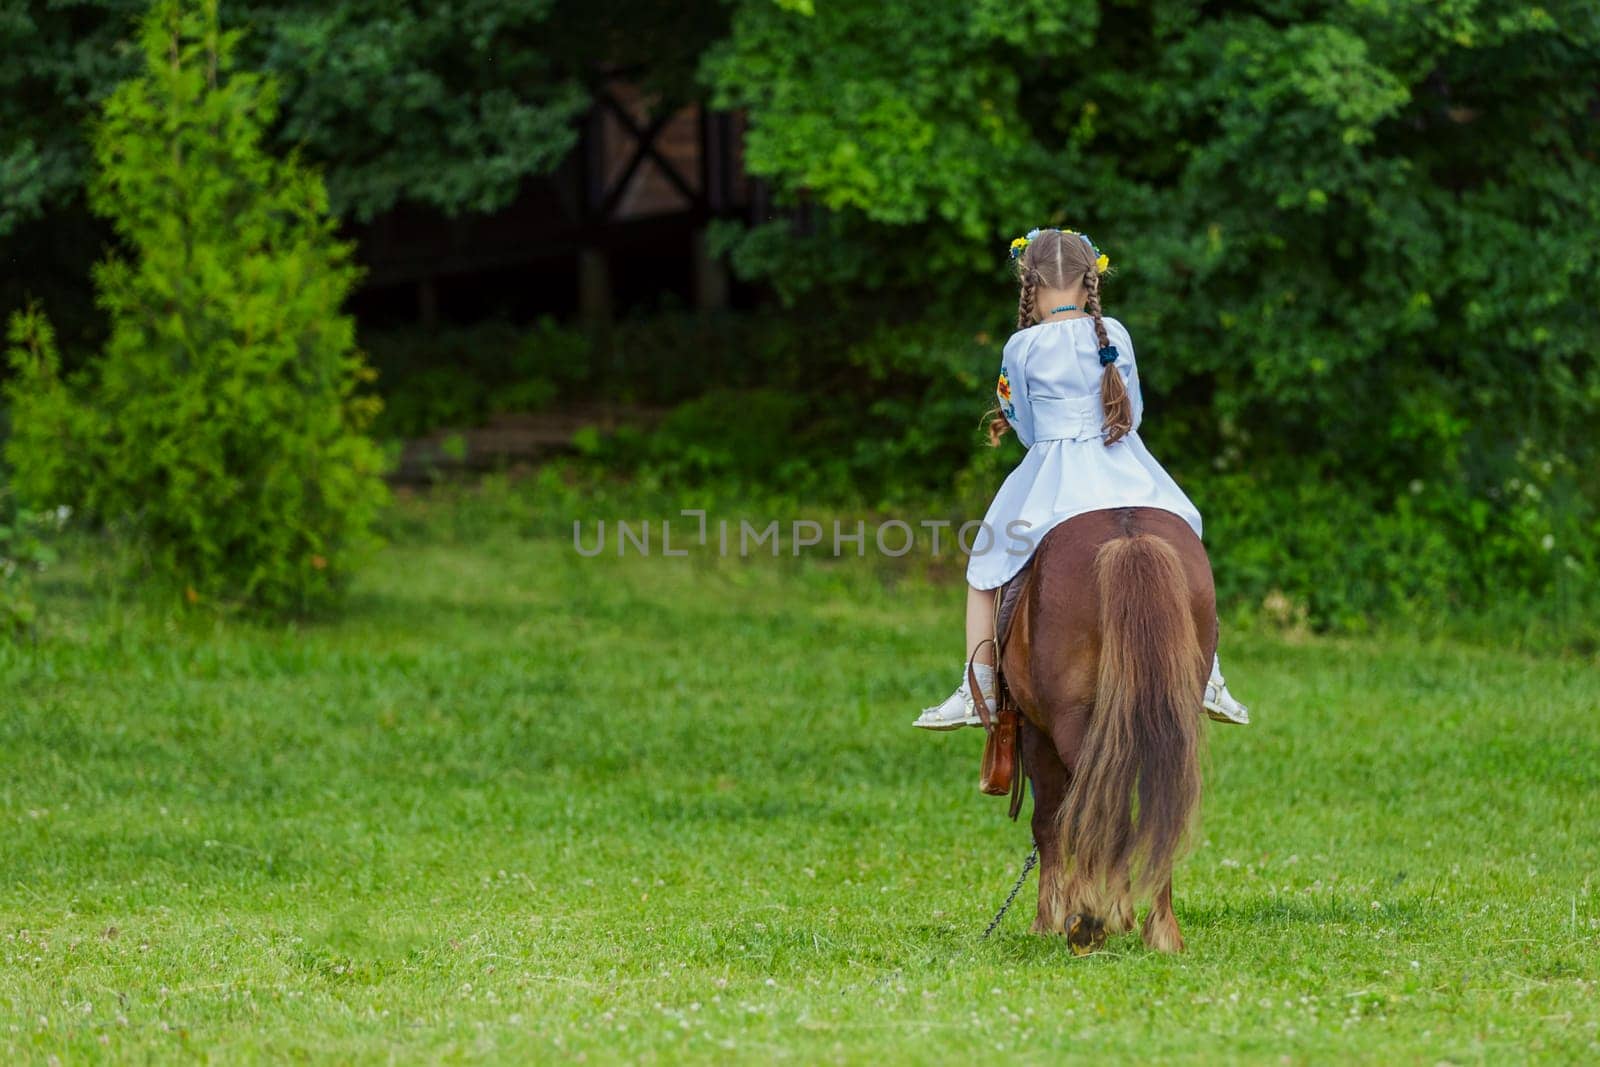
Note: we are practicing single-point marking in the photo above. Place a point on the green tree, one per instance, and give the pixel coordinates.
(446, 105)
(221, 430)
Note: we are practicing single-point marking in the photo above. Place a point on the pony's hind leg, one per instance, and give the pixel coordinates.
(1049, 777)
(1161, 925)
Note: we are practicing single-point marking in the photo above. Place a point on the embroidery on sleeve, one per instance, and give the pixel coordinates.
(1002, 390)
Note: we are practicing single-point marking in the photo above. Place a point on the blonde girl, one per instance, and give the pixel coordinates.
(1069, 387)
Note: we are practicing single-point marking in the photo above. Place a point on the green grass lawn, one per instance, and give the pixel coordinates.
(520, 806)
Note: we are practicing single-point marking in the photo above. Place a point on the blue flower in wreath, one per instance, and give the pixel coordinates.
(1020, 245)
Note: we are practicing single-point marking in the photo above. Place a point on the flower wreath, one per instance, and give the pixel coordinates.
(1102, 262)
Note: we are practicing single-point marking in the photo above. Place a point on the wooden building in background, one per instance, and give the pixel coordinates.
(621, 224)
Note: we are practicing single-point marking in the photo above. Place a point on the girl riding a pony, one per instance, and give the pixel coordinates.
(1069, 387)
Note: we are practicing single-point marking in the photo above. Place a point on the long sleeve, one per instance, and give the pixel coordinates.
(1012, 388)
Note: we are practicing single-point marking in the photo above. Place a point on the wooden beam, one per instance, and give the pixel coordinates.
(644, 141)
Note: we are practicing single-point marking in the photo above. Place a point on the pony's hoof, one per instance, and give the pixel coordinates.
(1085, 934)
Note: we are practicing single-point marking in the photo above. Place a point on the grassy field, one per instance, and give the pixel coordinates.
(520, 806)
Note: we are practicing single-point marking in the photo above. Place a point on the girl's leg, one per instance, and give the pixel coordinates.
(1219, 703)
(957, 709)
(980, 623)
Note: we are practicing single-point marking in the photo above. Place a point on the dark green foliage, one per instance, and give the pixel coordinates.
(1358, 246)
(458, 377)
(446, 105)
(221, 431)
(746, 435)
(452, 105)
(842, 405)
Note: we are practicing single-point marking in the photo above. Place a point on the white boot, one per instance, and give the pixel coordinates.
(958, 709)
(1220, 704)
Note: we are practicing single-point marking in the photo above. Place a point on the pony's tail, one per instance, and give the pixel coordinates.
(1144, 734)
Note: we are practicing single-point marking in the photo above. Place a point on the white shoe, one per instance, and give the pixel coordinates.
(1219, 703)
(958, 709)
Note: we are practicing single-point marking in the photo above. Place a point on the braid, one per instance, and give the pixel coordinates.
(1026, 315)
(1114, 400)
(1091, 304)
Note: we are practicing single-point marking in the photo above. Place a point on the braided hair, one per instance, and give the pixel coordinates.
(1027, 313)
(1057, 260)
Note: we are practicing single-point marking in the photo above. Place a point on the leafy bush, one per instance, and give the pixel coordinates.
(457, 376)
(842, 407)
(26, 547)
(221, 429)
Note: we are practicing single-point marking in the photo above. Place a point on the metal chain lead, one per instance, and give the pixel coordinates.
(1033, 858)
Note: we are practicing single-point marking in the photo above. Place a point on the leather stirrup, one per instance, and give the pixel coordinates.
(997, 775)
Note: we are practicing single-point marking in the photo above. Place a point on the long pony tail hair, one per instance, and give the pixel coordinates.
(1144, 735)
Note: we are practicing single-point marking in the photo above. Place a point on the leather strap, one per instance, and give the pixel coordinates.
(978, 700)
(1004, 697)
(1003, 724)
(1017, 776)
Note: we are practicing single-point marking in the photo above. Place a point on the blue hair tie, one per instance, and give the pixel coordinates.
(1108, 355)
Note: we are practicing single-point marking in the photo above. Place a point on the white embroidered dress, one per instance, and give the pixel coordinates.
(1049, 390)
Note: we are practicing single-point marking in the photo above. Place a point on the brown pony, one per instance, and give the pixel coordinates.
(1107, 657)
